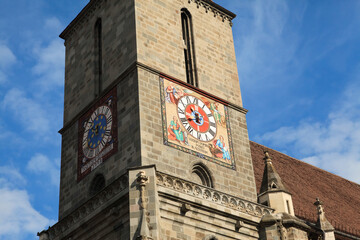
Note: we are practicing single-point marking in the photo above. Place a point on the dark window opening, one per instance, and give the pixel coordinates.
(98, 57)
(201, 172)
(273, 185)
(212, 237)
(288, 206)
(189, 52)
(97, 184)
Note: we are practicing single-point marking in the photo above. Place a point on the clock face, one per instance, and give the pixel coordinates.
(196, 118)
(97, 132)
(195, 122)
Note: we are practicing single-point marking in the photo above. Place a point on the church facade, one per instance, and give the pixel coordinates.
(155, 142)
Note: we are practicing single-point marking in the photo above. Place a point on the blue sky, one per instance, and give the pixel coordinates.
(299, 72)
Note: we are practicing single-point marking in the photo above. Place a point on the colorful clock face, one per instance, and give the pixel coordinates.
(196, 118)
(97, 131)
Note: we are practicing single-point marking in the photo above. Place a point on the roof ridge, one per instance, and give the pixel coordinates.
(307, 164)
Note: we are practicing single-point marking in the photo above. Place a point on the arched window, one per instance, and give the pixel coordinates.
(189, 53)
(98, 57)
(201, 175)
(211, 237)
(97, 184)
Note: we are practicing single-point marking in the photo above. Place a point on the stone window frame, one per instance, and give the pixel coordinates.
(203, 172)
(98, 48)
(189, 49)
(97, 184)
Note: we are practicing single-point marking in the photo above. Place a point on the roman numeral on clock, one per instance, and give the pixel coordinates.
(109, 119)
(103, 142)
(199, 136)
(180, 111)
(212, 133)
(184, 121)
(190, 129)
(207, 138)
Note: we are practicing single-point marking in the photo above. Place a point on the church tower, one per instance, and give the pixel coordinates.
(154, 142)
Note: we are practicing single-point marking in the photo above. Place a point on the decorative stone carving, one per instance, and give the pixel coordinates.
(210, 194)
(207, 194)
(209, 8)
(216, 197)
(142, 180)
(239, 224)
(185, 208)
(224, 200)
(188, 188)
(233, 203)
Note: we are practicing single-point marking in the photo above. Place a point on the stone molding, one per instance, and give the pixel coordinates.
(211, 195)
(89, 10)
(217, 10)
(83, 17)
(142, 180)
(89, 207)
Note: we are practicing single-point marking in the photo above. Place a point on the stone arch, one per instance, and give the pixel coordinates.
(211, 237)
(202, 175)
(97, 184)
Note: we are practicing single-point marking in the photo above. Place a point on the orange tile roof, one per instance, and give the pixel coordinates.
(341, 197)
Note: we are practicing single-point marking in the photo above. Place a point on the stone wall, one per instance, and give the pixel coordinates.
(193, 212)
(73, 193)
(160, 44)
(118, 51)
(239, 182)
(104, 216)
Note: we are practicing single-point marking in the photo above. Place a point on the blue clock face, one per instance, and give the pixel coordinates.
(97, 131)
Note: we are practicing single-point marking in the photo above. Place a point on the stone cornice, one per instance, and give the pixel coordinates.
(89, 9)
(216, 9)
(87, 12)
(212, 195)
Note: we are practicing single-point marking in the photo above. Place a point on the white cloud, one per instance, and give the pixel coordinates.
(333, 144)
(18, 218)
(53, 24)
(7, 58)
(51, 64)
(264, 33)
(10, 177)
(3, 77)
(40, 164)
(27, 111)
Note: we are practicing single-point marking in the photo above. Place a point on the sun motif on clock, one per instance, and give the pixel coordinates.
(196, 118)
(97, 132)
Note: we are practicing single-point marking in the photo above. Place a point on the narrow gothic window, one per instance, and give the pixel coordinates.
(211, 237)
(98, 57)
(97, 184)
(288, 206)
(189, 52)
(201, 175)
